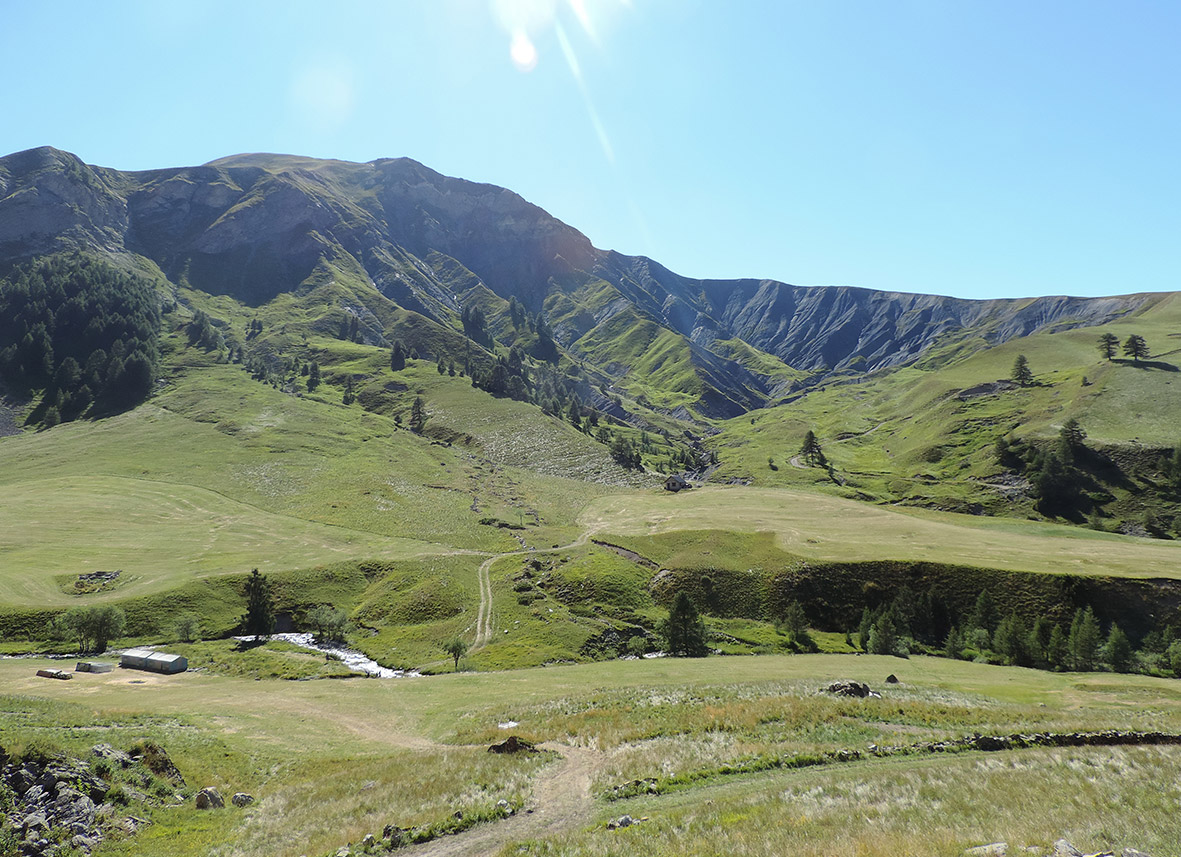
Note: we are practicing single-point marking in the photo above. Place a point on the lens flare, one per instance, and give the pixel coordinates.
(523, 51)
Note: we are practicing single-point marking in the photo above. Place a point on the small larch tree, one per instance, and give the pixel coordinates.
(259, 619)
(418, 415)
(1022, 374)
(811, 452)
(684, 631)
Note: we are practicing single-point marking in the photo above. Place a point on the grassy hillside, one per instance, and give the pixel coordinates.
(925, 434)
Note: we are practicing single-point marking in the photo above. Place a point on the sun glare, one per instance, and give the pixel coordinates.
(523, 51)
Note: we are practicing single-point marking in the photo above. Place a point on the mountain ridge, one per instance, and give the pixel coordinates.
(255, 226)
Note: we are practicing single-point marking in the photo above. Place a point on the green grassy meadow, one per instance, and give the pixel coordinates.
(330, 761)
(816, 526)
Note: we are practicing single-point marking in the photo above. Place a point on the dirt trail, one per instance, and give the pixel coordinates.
(484, 613)
(561, 802)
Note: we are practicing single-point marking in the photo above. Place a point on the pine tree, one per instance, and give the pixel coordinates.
(1022, 374)
(259, 619)
(1058, 649)
(1070, 440)
(811, 452)
(1108, 342)
(397, 357)
(953, 646)
(1117, 651)
(418, 415)
(313, 376)
(1135, 347)
(684, 631)
(1011, 640)
(984, 614)
(1085, 639)
(882, 636)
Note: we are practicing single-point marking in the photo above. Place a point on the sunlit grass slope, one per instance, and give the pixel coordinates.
(926, 432)
(815, 526)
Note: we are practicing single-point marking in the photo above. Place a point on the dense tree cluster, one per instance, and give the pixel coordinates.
(1058, 480)
(80, 330)
(926, 623)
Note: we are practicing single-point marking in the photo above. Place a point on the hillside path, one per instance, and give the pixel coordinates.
(561, 802)
(484, 613)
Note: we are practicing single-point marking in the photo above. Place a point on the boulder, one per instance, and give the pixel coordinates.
(891, 679)
(118, 757)
(242, 799)
(846, 687)
(512, 744)
(209, 798)
(1062, 848)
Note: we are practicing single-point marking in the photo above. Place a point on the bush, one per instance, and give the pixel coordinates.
(328, 623)
(637, 645)
(188, 629)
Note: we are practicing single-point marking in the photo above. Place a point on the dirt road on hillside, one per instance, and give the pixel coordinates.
(484, 613)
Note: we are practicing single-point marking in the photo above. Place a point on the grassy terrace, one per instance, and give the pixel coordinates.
(816, 526)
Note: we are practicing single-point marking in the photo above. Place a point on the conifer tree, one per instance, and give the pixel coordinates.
(1117, 651)
(684, 631)
(1135, 347)
(811, 452)
(418, 415)
(1022, 374)
(1108, 342)
(1085, 639)
(259, 619)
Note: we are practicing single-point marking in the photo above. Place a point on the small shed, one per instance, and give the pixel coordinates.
(93, 667)
(152, 661)
(676, 483)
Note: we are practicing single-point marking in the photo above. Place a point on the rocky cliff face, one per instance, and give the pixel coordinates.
(254, 226)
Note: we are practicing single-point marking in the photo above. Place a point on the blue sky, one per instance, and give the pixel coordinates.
(979, 149)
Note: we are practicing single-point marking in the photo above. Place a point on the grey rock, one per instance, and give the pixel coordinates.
(209, 798)
(368, 841)
(34, 821)
(106, 751)
(1062, 848)
(847, 687)
(993, 849)
(242, 799)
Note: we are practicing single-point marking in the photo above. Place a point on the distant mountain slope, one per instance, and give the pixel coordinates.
(254, 227)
